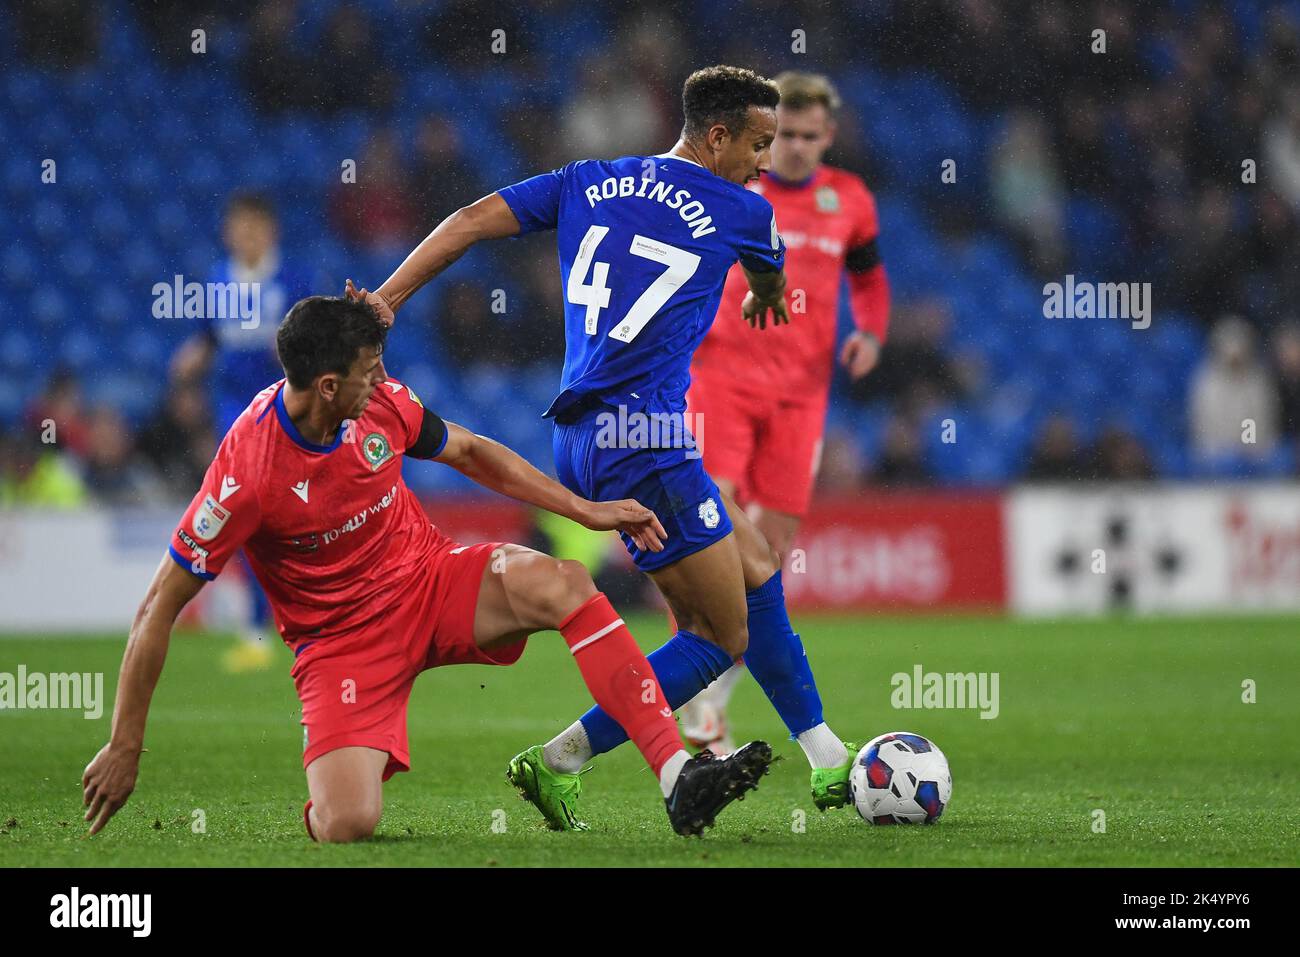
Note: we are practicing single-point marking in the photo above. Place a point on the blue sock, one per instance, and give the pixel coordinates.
(777, 660)
(685, 666)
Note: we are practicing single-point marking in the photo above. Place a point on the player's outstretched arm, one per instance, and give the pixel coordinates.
(489, 218)
(109, 779)
(494, 466)
(766, 292)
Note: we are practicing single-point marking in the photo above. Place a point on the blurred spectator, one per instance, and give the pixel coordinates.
(112, 471)
(841, 470)
(170, 24)
(458, 35)
(658, 66)
(350, 69)
(1119, 456)
(1230, 387)
(1286, 362)
(1027, 191)
(377, 212)
(471, 333)
(1274, 245)
(63, 34)
(900, 461)
(539, 326)
(180, 442)
(444, 174)
(1281, 145)
(275, 73)
(914, 368)
(1209, 259)
(35, 475)
(1056, 455)
(1083, 142)
(61, 404)
(614, 114)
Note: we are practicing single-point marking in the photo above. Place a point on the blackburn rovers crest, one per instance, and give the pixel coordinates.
(376, 450)
(828, 201)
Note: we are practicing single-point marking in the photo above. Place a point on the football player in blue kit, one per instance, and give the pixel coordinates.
(645, 245)
(237, 354)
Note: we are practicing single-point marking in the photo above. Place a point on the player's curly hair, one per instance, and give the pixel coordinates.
(324, 334)
(724, 94)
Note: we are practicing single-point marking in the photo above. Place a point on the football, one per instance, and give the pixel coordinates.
(900, 778)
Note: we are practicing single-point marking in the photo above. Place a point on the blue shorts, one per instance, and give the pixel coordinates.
(670, 481)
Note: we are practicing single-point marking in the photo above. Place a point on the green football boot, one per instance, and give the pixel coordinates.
(830, 786)
(553, 793)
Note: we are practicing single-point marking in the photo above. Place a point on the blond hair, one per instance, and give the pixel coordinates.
(801, 90)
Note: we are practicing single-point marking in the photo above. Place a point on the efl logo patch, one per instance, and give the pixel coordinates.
(376, 450)
(709, 513)
(209, 519)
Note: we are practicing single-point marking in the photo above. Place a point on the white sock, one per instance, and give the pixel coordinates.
(672, 769)
(569, 750)
(719, 693)
(822, 748)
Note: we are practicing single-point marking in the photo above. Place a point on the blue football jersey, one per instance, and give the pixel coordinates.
(645, 243)
(246, 361)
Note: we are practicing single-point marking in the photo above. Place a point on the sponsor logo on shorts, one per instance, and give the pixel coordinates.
(376, 449)
(209, 519)
(709, 514)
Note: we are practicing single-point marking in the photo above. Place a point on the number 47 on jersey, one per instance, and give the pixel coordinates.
(680, 267)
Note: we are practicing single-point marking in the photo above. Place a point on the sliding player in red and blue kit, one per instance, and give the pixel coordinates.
(766, 407)
(645, 243)
(368, 593)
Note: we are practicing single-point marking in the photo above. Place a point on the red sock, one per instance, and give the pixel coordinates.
(306, 818)
(620, 679)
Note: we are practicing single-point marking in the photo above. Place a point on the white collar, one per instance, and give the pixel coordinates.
(264, 270)
(671, 155)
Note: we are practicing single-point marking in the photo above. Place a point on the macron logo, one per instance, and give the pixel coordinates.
(228, 488)
(131, 911)
(301, 489)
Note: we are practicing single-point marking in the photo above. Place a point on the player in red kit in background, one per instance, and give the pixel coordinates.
(762, 394)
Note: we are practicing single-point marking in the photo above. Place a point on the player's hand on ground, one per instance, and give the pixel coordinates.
(630, 517)
(107, 782)
(860, 354)
(377, 302)
(754, 311)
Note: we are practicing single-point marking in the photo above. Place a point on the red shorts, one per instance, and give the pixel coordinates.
(769, 446)
(354, 688)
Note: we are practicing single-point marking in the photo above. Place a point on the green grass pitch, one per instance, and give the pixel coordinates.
(1142, 720)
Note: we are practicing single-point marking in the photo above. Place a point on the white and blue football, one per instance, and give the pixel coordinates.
(900, 778)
